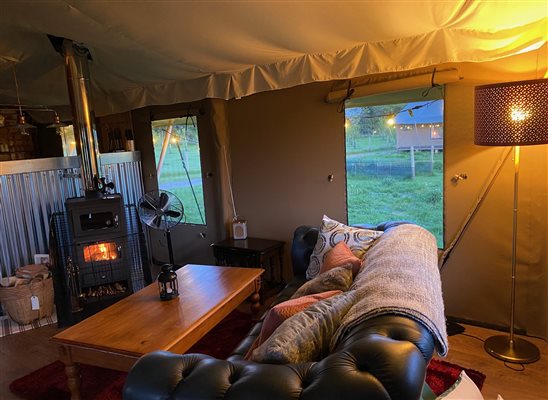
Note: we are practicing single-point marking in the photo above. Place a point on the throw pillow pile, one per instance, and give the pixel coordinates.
(338, 278)
(306, 335)
(333, 232)
(280, 312)
(300, 329)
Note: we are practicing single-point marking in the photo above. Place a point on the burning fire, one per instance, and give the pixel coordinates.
(100, 252)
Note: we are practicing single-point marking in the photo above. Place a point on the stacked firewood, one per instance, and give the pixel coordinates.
(28, 295)
(26, 274)
(105, 290)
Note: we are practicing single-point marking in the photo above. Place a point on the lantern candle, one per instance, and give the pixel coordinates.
(167, 283)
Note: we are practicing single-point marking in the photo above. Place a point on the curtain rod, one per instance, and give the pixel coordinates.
(396, 85)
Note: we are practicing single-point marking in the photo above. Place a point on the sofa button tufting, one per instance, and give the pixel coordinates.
(233, 378)
(305, 382)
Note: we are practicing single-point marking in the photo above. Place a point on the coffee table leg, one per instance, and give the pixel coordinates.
(256, 297)
(73, 373)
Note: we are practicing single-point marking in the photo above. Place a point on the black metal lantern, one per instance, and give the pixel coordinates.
(167, 283)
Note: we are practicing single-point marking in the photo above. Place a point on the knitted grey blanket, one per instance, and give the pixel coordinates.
(400, 275)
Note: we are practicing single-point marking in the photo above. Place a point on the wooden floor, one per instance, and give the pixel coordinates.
(27, 351)
(23, 353)
(529, 384)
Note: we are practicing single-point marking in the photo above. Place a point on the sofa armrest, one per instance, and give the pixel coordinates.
(373, 362)
(304, 240)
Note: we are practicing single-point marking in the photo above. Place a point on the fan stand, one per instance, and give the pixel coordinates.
(170, 247)
(159, 213)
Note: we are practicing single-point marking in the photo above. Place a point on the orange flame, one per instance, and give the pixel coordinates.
(100, 252)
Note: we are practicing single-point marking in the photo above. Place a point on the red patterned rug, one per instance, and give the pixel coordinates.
(440, 375)
(50, 383)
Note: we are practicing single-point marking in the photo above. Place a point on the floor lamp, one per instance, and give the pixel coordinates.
(512, 114)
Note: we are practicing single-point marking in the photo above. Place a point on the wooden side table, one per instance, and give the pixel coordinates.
(252, 252)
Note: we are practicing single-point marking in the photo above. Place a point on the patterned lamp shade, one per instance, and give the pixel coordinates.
(512, 113)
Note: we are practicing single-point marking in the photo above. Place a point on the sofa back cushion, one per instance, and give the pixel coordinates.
(302, 245)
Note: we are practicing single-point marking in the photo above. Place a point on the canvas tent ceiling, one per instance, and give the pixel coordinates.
(166, 52)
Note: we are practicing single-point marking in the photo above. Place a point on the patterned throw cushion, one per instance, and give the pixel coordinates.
(306, 335)
(338, 256)
(333, 232)
(339, 278)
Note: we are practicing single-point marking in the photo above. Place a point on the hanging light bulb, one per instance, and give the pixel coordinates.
(23, 125)
(21, 122)
(57, 124)
(391, 120)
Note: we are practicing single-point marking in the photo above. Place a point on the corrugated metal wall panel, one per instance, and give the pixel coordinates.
(28, 199)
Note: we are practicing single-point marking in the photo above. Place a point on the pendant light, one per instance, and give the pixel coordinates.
(57, 124)
(22, 124)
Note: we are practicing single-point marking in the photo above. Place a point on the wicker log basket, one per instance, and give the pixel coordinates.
(16, 300)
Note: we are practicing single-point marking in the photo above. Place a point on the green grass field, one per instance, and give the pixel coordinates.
(173, 177)
(374, 199)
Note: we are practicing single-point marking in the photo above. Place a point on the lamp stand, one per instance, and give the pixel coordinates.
(510, 348)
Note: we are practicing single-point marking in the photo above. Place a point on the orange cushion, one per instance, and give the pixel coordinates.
(280, 312)
(340, 255)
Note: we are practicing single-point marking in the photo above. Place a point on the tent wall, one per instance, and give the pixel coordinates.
(480, 266)
(285, 143)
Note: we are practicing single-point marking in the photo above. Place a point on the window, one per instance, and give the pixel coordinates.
(69, 143)
(177, 152)
(394, 160)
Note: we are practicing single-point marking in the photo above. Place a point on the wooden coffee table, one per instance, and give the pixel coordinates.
(117, 336)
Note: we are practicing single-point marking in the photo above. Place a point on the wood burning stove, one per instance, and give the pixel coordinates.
(99, 235)
(99, 263)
